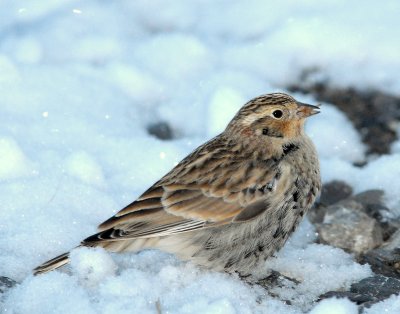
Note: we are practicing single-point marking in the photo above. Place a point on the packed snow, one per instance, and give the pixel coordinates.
(81, 80)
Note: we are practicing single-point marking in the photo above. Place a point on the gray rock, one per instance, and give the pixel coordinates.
(161, 130)
(275, 279)
(331, 193)
(347, 226)
(6, 283)
(354, 297)
(377, 287)
(335, 191)
(360, 224)
(369, 197)
(394, 241)
(387, 220)
(382, 261)
(373, 205)
(368, 291)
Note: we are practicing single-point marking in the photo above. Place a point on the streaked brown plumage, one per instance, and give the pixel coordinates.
(231, 203)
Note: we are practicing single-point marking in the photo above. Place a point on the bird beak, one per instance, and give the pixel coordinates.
(305, 110)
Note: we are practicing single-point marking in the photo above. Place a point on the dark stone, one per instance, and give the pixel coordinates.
(346, 226)
(378, 211)
(331, 193)
(373, 205)
(161, 130)
(389, 223)
(6, 283)
(334, 192)
(373, 113)
(394, 242)
(275, 279)
(369, 197)
(354, 297)
(377, 287)
(317, 213)
(368, 291)
(383, 261)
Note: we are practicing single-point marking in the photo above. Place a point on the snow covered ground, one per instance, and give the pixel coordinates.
(81, 80)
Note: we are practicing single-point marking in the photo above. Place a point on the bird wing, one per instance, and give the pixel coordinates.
(210, 187)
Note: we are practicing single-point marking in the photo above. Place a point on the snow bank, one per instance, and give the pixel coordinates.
(391, 305)
(335, 306)
(318, 268)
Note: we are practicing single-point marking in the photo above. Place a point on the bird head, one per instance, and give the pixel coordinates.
(274, 117)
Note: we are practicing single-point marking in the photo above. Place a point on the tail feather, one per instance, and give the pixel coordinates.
(52, 264)
(126, 245)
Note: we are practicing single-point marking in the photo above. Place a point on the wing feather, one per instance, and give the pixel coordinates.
(200, 192)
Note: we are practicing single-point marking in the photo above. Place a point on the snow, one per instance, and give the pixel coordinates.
(342, 142)
(13, 162)
(381, 173)
(91, 265)
(319, 268)
(83, 166)
(223, 106)
(390, 305)
(81, 80)
(335, 306)
(148, 278)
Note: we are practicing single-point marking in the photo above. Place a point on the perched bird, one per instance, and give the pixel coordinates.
(230, 204)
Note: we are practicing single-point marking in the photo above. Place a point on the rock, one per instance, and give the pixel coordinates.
(6, 283)
(335, 191)
(387, 220)
(161, 130)
(369, 197)
(377, 288)
(317, 213)
(368, 291)
(394, 242)
(331, 193)
(356, 224)
(359, 224)
(379, 212)
(276, 279)
(373, 206)
(383, 261)
(354, 297)
(346, 226)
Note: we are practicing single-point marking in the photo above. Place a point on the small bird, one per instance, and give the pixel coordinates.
(232, 202)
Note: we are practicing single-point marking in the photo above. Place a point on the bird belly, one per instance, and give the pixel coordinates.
(239, 247)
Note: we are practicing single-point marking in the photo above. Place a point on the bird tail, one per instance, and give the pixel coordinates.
(52, 264)
(93, 241)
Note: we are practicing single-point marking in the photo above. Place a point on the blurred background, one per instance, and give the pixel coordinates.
(200, 58)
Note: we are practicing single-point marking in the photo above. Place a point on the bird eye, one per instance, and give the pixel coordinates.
(277, 114)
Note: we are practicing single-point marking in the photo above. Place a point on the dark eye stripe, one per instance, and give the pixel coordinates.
(272, 133)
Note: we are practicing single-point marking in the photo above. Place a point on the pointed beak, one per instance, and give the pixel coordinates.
(305, 110)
